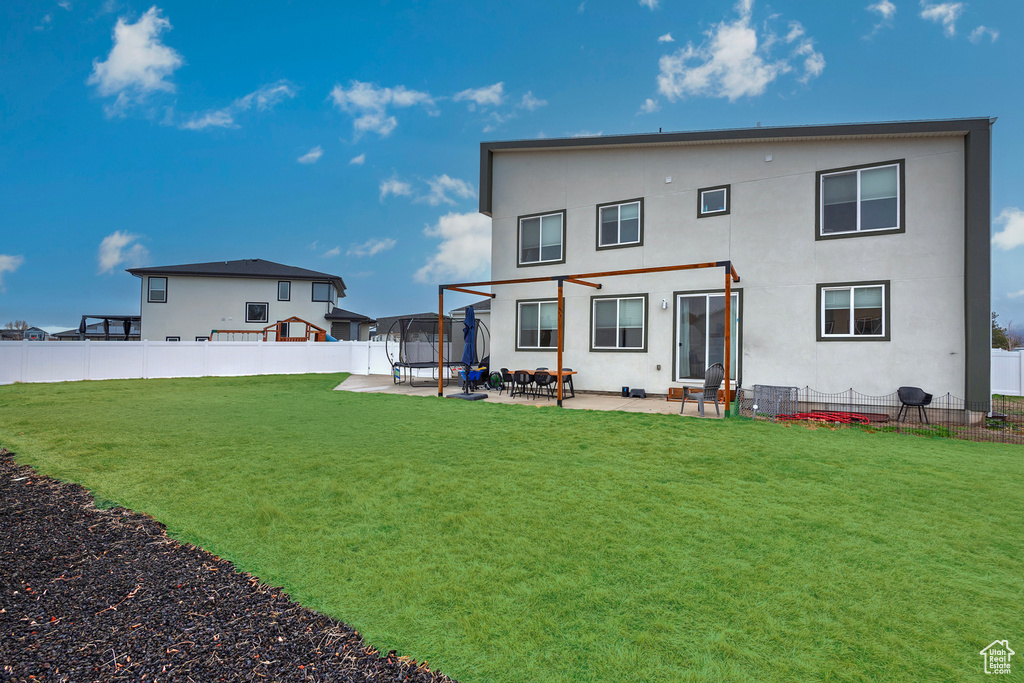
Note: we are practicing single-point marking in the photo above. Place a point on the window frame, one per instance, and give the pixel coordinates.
(519, 304)
(266, 311)
(284, 282)
(172, 339)
(149, 290)
(330, 292)
(621, 245)
(618, 349)
(738, 358)
(901, 201)
(820, 323)
(519, 238)
(728, 201)
(202, 339)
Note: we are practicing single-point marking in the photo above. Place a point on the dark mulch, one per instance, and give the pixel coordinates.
(98, 595)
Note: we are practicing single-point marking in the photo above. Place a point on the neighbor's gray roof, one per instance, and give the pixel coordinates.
(847, 131)
(251, 268)
(342, 314)
(482, 306)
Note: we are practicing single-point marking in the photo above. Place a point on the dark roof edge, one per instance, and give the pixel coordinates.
(487, 149)
(164, 270)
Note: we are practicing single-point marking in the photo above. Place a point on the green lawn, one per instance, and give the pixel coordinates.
(509, 543)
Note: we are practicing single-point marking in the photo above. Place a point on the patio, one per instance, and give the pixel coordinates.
(383, 384)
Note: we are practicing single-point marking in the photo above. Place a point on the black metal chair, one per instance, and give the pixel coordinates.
(567, 382)
(507, 381)
(713, 377)
(521, 382)
(913, 397)
(544, 382)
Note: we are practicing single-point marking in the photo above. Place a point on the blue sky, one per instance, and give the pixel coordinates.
(346, 138)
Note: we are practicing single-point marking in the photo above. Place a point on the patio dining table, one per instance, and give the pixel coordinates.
(560, 374)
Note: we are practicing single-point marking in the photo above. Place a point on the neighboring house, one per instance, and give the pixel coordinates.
(34, 334)
(349, 326)
(10, 335)
(187, 302)
(481, 309)
(863, 252)
(107, 328)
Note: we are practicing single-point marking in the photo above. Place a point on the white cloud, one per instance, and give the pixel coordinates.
(138, 64)
(650, 4)
(443, 184)
(583, 6)
(263, 99)
(394, 186)
(667, 38)
(359, 160)
(979, 33)
(649, 106)
(529, 102)
(1015, 295)
(371, 247)
(945, 13)
(1012, 234)
(120, 248)
(44, 23)
(8, 264)
(330, 253)
(489, 95)
(312, 156)
(64, 4)
(734, 62)
(884, 9)
(368, 105)
(465, 249)
(587, 134)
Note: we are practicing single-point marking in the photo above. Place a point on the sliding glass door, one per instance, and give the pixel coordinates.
(700, 339)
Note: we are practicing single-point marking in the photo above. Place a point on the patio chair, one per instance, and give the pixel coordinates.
(507, 382)
(544, 382)
(713, 377)
(567, 383)
(913, 397)
(521, 382)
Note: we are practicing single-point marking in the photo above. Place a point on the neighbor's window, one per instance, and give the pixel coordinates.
(700, 338)
(256, 312)
(206, 339)
(323, 291)
(172, 339)
(540, 239)
(713, 201)
(861, 199)
(618, 323)
(284, 290)
(854, 311)
(538, 325)
(620, 225)
(157, 290)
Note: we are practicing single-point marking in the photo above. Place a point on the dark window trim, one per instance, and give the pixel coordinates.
(281, 282)
(257, 303)
(312, 292)
(728, 201)
(647, 316)
(534, 349)
(149, 290)
(901, 165)
(177, 339)
(819, 314)
(519, 237)
(597, 240)
(203, 339)
(738, 291)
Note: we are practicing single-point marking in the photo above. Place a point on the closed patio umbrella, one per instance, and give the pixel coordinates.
(469, 336)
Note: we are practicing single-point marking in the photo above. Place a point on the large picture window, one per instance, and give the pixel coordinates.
(541, 239)
(619, 323)
(620, 224)
(853, 311)
(157, 290)
(860, 200)
(700, 333)
(538, 325)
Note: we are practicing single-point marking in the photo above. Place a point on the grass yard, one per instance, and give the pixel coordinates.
(509, 543)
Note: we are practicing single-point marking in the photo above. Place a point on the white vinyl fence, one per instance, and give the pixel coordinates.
(28, 361)
(1008, 372)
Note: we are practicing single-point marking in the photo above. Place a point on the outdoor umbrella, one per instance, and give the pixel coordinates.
(469, 335)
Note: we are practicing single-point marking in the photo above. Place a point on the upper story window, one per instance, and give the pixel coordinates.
(619, 324)
(157, 290)
(854, 311)
(620, 224)
(284, 290)
(713, 201)
(323, 291)
(538, 325)
(542, 239)
(860, 199)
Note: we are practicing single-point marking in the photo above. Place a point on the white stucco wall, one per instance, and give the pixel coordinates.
(770, 238)
(197, 305)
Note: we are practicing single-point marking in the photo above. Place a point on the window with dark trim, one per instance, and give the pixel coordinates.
(541, 239)
(206, 339)
(536, 325)
(713, 201)
(157, 290)
(700, 333)
(323, 291)
(620, 224)
(256, 311)
(172, 339)
(284, 290)
(853, 311)
(860, 200)
(618, 323)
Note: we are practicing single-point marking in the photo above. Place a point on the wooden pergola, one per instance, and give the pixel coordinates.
(583, 279)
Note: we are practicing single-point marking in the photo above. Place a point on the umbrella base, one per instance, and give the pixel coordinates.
(468, 397)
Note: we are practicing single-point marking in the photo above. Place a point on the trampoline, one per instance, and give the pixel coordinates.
(412, 346)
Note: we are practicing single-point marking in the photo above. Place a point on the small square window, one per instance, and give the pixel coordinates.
(620, 224)
(157, 290)
(541, 239)
(323, 291)
(713, 201)
(538, 325)
(284, 290)
(256, 312)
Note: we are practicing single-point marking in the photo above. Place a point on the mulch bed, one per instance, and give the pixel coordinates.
(100, 595)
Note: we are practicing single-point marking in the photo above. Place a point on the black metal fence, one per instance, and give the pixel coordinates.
(999, 420)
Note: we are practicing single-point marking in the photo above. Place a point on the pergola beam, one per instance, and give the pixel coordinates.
(472, 291)
(583, 282)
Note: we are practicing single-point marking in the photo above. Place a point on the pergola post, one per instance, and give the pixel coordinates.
(561, 320)
(728, 331)
(440, 341)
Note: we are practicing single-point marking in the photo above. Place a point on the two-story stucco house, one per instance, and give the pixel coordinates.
(862, 251)
(186, 302)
